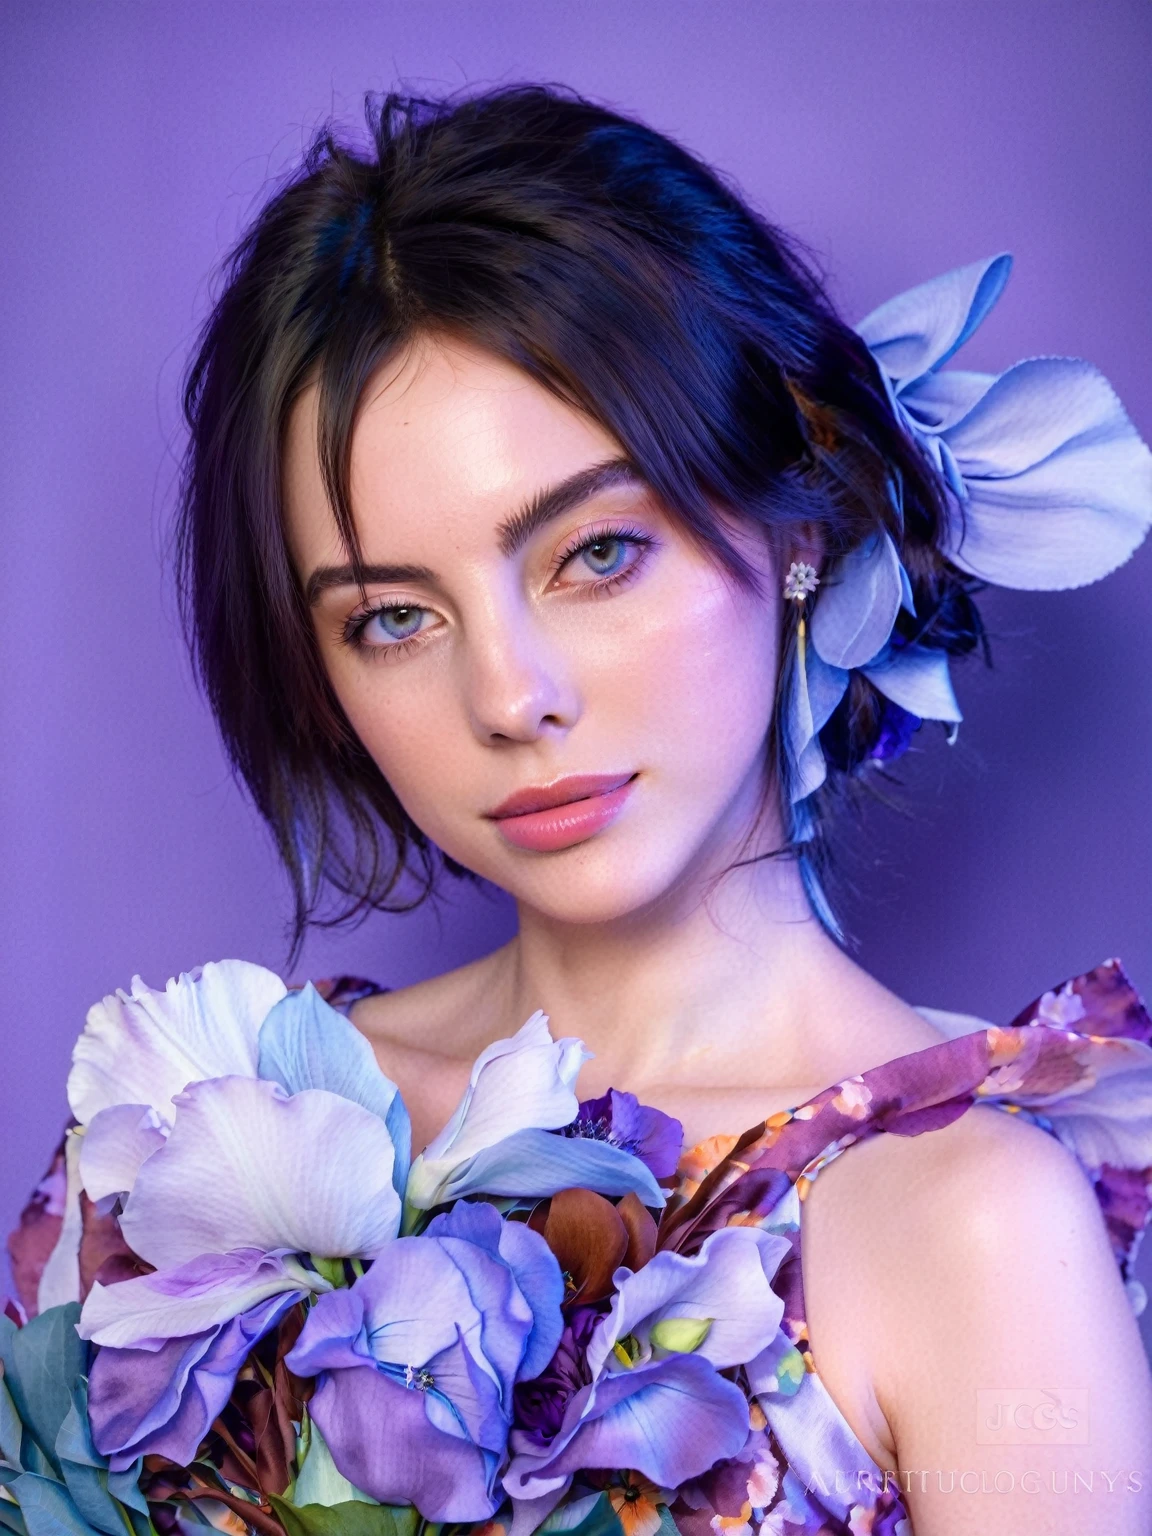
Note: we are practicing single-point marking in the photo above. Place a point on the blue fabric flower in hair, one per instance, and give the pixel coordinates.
(1049, 486)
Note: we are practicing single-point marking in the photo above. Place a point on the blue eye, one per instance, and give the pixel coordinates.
(387, 625)
(605, 556)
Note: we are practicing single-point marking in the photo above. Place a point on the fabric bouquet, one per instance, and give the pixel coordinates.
(290, 1326)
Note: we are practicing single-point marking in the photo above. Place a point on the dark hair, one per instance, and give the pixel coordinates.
(622, 274)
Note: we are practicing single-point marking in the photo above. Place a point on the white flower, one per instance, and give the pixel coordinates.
(248, 1177)
(800, 581)
(139, 1049)
(1063, 1008)
(526, 1082)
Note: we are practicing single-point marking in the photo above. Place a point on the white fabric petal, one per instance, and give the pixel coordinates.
(858, 603)
(114, 1146)
(918, 679)
(168, 1305)
(144, 1047)
(60, 1277)
(1059, 481)
(920, 330)
(247, 1166)
(525, 1082)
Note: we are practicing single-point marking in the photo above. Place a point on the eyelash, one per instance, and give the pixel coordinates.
(612, 532)
(642, 542)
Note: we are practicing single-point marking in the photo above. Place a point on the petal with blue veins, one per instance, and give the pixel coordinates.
(669, 1421)
(162, 1401)
(817, 689)
(526, 1082)
(382, 1439)
(1059, 481)
(532, 1164)
(727, 1283)
(858, 603)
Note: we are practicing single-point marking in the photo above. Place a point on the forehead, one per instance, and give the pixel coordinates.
(448, 440)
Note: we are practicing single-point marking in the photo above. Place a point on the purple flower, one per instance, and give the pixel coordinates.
(644, 1389)
(249, 1184)
(162, 1396)
(622, 1121)
(418, 1360)
(897, 728)
(541, 1403)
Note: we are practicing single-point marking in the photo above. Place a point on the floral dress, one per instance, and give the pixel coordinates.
(1077, 1063)
(1058, 1064)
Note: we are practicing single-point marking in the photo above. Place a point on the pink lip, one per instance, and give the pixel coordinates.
(562, 814)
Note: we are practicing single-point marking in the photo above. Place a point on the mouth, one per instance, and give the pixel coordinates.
(564, 813)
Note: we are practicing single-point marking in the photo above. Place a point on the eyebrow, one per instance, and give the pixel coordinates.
(549, 504)
(325, 576)
(513, 533)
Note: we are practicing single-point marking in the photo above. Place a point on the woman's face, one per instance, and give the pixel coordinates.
(567, 694)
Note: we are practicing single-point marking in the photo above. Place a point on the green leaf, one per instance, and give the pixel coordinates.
(125, 1489)
(601, 1520)
(85, 1472)
(11, 1430)
(11, 1519)
(47, 1507)
(668, 1526)
(42, 1362)
(96, 1493)
(351, 1519)
(320, 1480)
(407, 1519)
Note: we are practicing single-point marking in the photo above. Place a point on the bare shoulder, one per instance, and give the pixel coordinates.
(971, 1253)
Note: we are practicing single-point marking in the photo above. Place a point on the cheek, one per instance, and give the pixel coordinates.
(411, 725)
(697, 683)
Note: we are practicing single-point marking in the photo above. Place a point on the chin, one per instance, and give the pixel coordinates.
(617, 874)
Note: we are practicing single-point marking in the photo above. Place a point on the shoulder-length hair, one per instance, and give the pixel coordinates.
(618, 271)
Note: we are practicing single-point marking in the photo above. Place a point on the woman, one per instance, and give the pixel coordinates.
(543, 523)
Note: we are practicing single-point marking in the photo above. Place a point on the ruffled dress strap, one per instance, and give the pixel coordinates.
(1077, 1062)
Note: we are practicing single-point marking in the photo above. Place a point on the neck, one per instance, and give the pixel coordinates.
(687, 988)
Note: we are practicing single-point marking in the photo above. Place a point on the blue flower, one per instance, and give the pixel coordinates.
(418, 1360)
(648, 1394)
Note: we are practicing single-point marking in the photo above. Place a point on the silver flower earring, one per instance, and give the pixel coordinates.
(799, 583)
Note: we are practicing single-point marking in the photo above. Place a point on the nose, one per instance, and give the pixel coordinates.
(519, 688)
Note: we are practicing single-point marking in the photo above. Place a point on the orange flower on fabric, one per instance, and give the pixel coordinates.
(636, 1502)
(699, 1161)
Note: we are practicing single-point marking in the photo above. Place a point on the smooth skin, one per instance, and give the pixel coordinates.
(500, 649)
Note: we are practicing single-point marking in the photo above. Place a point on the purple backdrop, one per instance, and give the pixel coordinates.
(898, 139)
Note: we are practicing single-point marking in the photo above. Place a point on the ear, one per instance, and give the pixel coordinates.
(804, 542)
